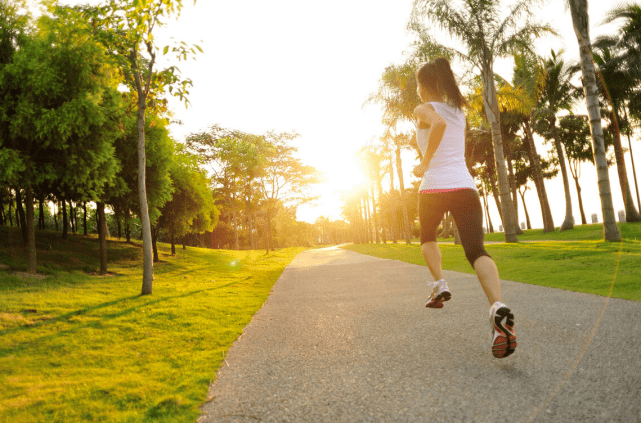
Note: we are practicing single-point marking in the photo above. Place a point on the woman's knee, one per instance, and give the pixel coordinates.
(475, 254)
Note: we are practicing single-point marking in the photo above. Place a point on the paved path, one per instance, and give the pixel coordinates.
(345, 337)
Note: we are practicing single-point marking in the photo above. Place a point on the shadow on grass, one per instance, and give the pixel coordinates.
(127, 311)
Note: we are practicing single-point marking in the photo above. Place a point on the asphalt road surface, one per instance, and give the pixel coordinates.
(345, 337)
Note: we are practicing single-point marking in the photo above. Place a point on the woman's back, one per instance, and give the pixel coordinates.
(447, 169)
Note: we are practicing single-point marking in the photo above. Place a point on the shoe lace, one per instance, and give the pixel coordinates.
(435, 284)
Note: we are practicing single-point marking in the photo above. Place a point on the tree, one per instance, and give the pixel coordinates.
(477, 24)
(396, 93)
(59, 113)
(628, 43)
(580, 21)
(616, 85)
(370, 161)
(128, 29)
(529, 78)
(285, 179)
(191, 208)
(557, 95)
(235, 159)
(574, 134)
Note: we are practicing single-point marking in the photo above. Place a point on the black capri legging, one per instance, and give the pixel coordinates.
(465, 207)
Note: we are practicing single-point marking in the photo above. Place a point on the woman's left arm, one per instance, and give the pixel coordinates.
(426, 114)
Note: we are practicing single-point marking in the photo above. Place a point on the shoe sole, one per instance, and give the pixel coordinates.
(504, 346)
(438, 300)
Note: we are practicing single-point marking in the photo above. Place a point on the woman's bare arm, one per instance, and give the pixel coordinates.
(426, 115)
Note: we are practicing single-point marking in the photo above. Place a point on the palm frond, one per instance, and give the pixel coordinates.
(522, 39)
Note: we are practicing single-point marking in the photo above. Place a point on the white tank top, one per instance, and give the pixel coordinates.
(447, 169)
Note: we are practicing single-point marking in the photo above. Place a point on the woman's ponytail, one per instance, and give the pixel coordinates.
(437, 76)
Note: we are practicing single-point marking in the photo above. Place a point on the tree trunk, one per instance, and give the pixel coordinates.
(631, 213)
(31, 231)
(74, 218)
(379, 182)
(490, 227)
(495, 194)
(527, 215)
(375, 216)
(102, 236)
(634, 170)
(406, 219)
(84, 220)
(41, 213)
(118, 223)
(492, 113)
(568, 221)
(457, 238)
(147, 248)
(267, 231)
(21, 218)
(10, 206)
(539, 183)
(578, 192)
(512, 180)
(368, 219)
(580, 21)
(65, 221)
(55, 215)
(154, 245)
(252, 241)
(173, 243)
(447, 226)
(3, 220)
(127, 226)
(233, 212)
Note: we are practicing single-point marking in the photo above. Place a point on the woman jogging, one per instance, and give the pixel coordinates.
(447, 186)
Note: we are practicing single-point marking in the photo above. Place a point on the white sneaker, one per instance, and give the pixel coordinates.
(440, 293)
(502, 323)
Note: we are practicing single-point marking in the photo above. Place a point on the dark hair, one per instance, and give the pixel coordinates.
(437, 77)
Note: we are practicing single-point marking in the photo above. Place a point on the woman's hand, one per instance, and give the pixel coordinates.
(420, 170)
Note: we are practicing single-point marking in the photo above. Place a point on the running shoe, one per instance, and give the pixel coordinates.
(440, 293)
(503, 337)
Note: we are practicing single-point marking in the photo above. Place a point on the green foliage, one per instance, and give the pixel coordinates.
(159, 149)
(191, 208)
(59, 108)
(80, 347)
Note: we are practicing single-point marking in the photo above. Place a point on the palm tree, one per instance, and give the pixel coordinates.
(479, 147)
(397, 95)
(400, 141)
(528, 78)
(580, 21)
(628, 44)
(371, 161)
(477, 24)
(574, 134)
(616, 85)
(557, 95)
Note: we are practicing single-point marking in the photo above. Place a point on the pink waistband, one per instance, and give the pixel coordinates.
(436, 191)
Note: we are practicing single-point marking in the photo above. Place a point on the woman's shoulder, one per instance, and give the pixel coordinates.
(448, 110)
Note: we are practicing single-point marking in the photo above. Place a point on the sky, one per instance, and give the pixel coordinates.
(308, 67)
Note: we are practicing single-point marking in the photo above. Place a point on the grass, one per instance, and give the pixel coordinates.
(586, 265)
(81, 347)
(592, 232)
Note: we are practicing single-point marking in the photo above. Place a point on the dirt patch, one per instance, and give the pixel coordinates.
(4, 267)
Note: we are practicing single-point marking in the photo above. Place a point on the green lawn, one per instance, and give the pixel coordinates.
(593, 232)
(590, 266)
(80, 347)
